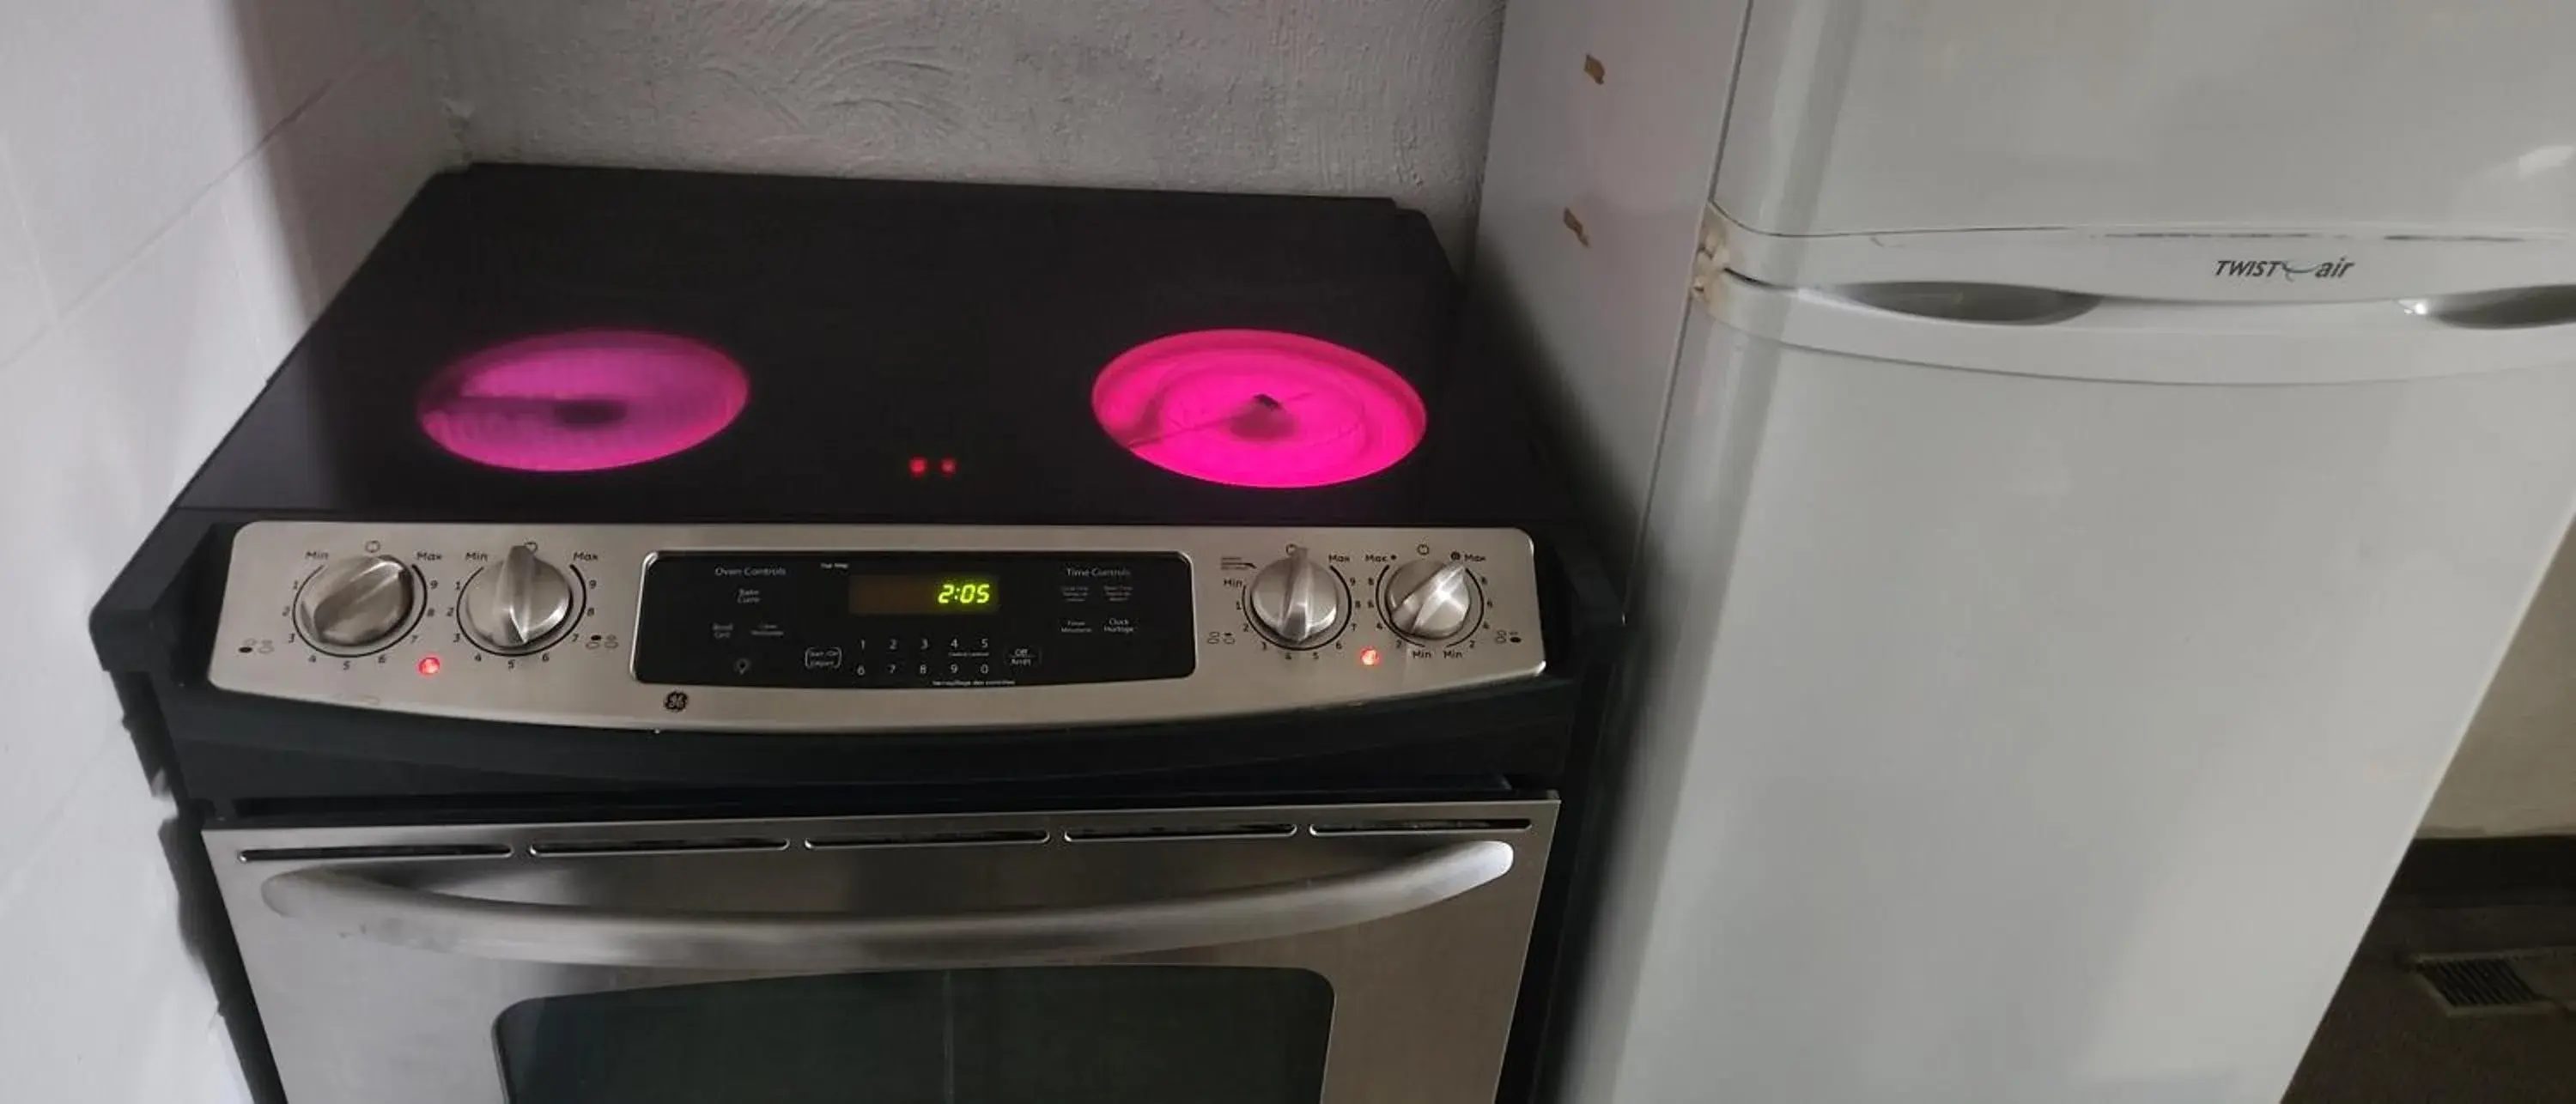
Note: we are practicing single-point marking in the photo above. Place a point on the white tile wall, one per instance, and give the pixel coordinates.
(182, 184)
(118, 112)
(293, 49)
(24, 302)
(113, 1009)
(84, 462)
(345, 169)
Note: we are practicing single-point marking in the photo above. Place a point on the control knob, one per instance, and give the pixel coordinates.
(356, 605)
(1298, 603)
(1431, 601)
(517, 606)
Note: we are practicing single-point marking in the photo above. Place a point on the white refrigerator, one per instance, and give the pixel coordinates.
(2083, 462)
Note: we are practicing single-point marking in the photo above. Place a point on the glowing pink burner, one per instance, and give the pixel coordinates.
(587, 400)
(1258, 408)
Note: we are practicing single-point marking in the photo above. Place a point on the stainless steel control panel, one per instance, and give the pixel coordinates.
(869, 628)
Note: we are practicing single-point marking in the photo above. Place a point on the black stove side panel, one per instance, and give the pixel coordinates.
(138, 628)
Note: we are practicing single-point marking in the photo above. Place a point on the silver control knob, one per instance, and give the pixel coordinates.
(517, 606)
(1297, 602)
(357, 605)
(1431, 601)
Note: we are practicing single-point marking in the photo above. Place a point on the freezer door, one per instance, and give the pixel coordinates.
(2363, 116)
(2008, 738)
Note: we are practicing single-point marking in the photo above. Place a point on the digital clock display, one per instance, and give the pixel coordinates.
(905, 595)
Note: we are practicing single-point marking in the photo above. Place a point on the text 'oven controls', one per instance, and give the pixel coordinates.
(1431, 601)
(356, 605)
(1297, 602)
(516, 606)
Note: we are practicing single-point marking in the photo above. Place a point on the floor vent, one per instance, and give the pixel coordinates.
(2499, 982)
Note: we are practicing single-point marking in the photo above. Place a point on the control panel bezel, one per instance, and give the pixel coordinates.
(784, 620)
(588, 678)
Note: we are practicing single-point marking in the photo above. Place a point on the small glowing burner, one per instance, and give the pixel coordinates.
(586, 400)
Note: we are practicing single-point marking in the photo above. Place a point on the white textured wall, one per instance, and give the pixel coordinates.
(2515, 773)
(182, 183)
(1368, 97)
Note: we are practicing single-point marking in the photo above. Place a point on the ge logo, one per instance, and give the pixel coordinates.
(675, 701)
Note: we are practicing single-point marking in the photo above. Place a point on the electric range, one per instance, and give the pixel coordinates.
(651, 602)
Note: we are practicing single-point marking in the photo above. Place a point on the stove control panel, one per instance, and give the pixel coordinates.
(869, 628)
(862, 619)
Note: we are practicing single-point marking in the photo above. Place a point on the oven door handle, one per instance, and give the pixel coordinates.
(348, 902)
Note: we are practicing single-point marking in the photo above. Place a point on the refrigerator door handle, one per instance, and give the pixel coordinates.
(2508, 309)
(2037, 331)
(1990, 304)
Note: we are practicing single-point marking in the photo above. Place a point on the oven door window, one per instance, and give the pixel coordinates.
(1041, 1035)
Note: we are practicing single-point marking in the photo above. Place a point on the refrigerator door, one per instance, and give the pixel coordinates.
(2016, 737)
(2339, 116)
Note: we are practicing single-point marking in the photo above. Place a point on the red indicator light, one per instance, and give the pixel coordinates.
(947, 465)
(427, 666)
(920, 466)
(1368, 657)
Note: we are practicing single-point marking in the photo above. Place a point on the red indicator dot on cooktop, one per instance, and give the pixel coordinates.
(427, 666)
(920, 466)
(947, 465)
(1258, 408)
(584, 400)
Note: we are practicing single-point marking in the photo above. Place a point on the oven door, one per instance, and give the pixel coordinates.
(1346, 954)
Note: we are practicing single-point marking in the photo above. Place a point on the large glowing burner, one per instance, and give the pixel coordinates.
(1258, 408)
